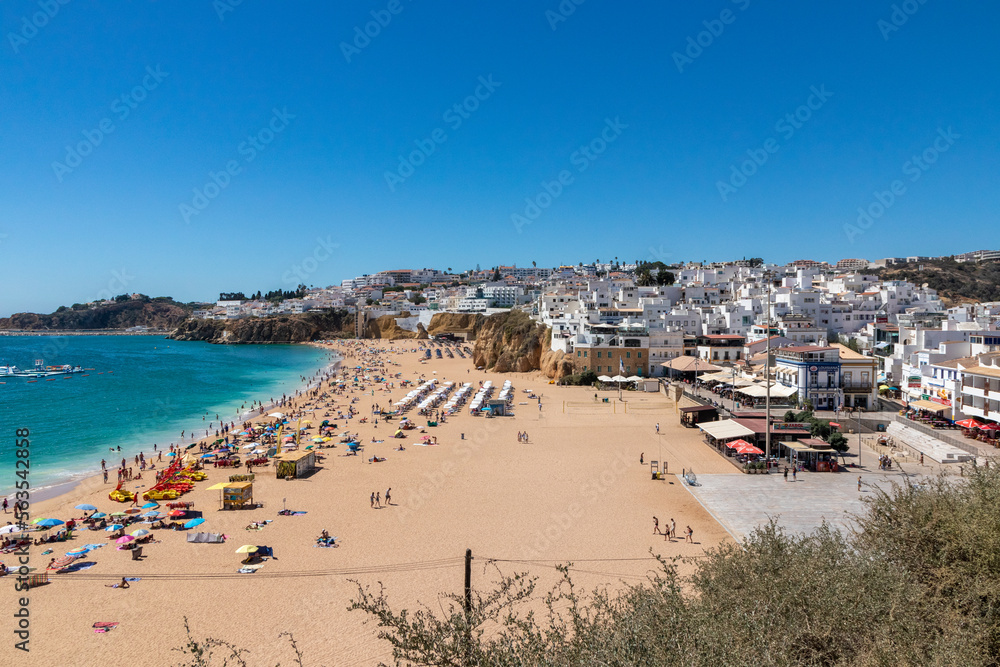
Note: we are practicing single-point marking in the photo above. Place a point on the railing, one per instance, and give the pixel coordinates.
(859, 386)
(937, 434)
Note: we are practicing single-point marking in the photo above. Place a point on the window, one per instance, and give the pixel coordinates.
(638, 355)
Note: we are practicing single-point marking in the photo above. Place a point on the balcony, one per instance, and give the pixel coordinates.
(857, 386)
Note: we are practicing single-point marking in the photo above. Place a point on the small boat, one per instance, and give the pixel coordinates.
(40, 370)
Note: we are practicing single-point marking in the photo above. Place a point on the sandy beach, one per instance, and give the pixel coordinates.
(574, 492)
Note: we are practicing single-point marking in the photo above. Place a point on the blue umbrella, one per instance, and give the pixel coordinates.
(78, 552)
(48, 523)
(99, 515)
(149, 506)
(86, 508)
(172, 454)
(113, 527)
(206, 456)
(194, 522)
(152, 513)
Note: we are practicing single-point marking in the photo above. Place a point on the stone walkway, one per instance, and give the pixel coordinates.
(742, 502)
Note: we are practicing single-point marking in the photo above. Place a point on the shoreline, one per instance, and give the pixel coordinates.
(62, 486)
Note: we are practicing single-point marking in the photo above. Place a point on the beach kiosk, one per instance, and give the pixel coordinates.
(497, 406)
(237, 495)
(295, 464)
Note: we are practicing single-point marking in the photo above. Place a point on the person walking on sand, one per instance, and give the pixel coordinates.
(6, 504)
(673, 529)
(859, 483)
(656, 526)
(657, 427)
(373, 500)
(689, 537)
(388, 497)
(786, 473)
(642, 459)
(378, 500)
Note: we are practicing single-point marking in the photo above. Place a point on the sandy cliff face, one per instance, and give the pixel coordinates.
(513, 342)
(279, 329)
(457, 323)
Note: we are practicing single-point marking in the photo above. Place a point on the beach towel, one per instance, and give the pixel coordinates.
(289, 513)
(132, 578)
(102, 627)
(250, 569)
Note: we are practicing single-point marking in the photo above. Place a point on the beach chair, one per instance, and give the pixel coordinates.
(137, 553)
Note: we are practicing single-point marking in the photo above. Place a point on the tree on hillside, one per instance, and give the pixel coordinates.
(664, 277)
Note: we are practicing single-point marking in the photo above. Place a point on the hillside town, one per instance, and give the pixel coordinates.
(839, 337)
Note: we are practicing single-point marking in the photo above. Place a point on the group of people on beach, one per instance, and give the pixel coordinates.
(670, 531)
(376, 500)
(522, 436)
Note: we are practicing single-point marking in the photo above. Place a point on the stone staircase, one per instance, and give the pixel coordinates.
(933, 448)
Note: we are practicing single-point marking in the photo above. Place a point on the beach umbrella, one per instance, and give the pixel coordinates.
(119, 514)
(76, 553)
(246, 549)
(194, 522)
(277, 415)
(11, 528)
(113, 527)
(132, 510)
(172, 454)
(152, 514)
(86, 508)
(142, 532)
(125, 539)
(48, 523)
(176, 513)
(99, 515)
(206, 456)
(150, 505)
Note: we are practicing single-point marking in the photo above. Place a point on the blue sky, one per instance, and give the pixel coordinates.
(591, 138)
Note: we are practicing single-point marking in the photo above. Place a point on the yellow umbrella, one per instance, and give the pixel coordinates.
(246, 549)
(217, 487)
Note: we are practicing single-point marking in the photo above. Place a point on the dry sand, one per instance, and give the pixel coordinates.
(575, 492)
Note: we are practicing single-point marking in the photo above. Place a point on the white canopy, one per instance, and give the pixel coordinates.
(634, 378)
(725, 429)
(604, 378)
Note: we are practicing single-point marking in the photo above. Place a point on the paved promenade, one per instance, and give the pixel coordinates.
(742, 502)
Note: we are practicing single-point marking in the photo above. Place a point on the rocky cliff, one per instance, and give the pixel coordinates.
(159, 313)
(274, 329)
(513, 342)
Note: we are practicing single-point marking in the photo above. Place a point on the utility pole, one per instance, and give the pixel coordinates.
(767, 378)
(468, 606)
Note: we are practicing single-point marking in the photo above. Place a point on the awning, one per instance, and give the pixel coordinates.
(699, 408)
(799, 447)
(687, 364)
(930, 406)
(725, 429)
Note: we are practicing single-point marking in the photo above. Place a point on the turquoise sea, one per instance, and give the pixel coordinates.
(143, 390)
